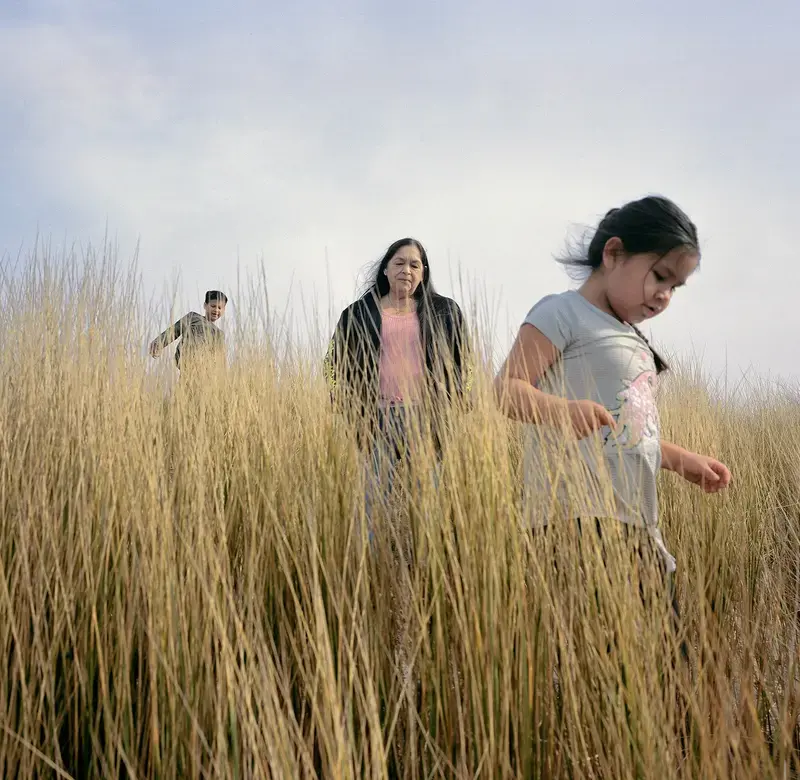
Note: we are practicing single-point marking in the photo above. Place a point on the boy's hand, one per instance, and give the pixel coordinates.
(711, 475)
(586, 417)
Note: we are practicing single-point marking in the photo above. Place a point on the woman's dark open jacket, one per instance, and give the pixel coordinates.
(353, 358)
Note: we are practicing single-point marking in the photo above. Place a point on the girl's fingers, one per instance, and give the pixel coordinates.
(710, 481)
(721, 478)
(722, 472)
(607, 419)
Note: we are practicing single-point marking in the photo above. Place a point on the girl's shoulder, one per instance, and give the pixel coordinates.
(563, 304)
(555, 317)
(572, 309)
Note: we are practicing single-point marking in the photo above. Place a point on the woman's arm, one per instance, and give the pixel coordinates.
(333, 356)
(462, 349)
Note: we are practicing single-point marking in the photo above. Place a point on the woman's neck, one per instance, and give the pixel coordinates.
(400, 304)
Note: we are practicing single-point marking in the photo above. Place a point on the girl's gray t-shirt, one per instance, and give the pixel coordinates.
(614, 473)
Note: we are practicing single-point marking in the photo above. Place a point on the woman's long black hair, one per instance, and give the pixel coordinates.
(377, 281)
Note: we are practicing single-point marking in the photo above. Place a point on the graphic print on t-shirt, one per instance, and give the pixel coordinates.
(637, 415)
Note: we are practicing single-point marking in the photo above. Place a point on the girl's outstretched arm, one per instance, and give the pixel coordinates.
(702, 470)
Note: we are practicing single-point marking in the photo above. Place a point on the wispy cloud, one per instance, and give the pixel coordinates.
(313, 137)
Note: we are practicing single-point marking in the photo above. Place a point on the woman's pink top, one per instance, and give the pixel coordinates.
(402, 366)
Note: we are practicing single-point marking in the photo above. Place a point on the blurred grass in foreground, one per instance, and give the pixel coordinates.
(185, 589)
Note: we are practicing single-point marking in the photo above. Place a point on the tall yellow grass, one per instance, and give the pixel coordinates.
(186, 588)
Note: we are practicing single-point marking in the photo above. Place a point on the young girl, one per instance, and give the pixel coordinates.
(580, 363)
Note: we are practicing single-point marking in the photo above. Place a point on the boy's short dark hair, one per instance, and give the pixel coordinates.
(216, 295)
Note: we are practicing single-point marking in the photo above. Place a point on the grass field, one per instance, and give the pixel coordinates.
(185, 589)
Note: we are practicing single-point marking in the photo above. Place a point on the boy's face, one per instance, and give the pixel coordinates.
(214, 310)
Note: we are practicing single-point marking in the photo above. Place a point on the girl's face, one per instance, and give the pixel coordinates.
(641, 286)
(405, 271)
(214, 310)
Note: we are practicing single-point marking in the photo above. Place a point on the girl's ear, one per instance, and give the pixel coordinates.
(613, 252)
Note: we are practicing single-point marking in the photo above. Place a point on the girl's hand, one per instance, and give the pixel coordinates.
(711, 475)
(586, 417)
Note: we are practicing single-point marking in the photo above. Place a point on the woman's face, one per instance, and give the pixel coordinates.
(405, 271)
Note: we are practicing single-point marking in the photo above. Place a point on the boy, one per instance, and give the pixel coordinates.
(199, 334)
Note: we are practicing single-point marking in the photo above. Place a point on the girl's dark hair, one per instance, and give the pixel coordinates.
(215, 295)
(651, 225)
(377, 281)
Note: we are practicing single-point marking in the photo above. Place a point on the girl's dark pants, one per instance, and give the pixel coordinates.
(592, 528)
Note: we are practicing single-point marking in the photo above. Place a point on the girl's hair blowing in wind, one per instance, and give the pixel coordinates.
(651, 225)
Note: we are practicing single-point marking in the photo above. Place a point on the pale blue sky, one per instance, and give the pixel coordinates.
(217, 132)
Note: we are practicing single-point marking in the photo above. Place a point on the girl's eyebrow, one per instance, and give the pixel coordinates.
(669, 273)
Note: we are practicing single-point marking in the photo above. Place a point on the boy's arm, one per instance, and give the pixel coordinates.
(168, 336)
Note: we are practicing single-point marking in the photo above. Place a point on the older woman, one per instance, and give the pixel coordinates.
(397, 359)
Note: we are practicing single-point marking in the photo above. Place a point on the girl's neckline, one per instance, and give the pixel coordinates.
(605, 314)
(627, 326)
